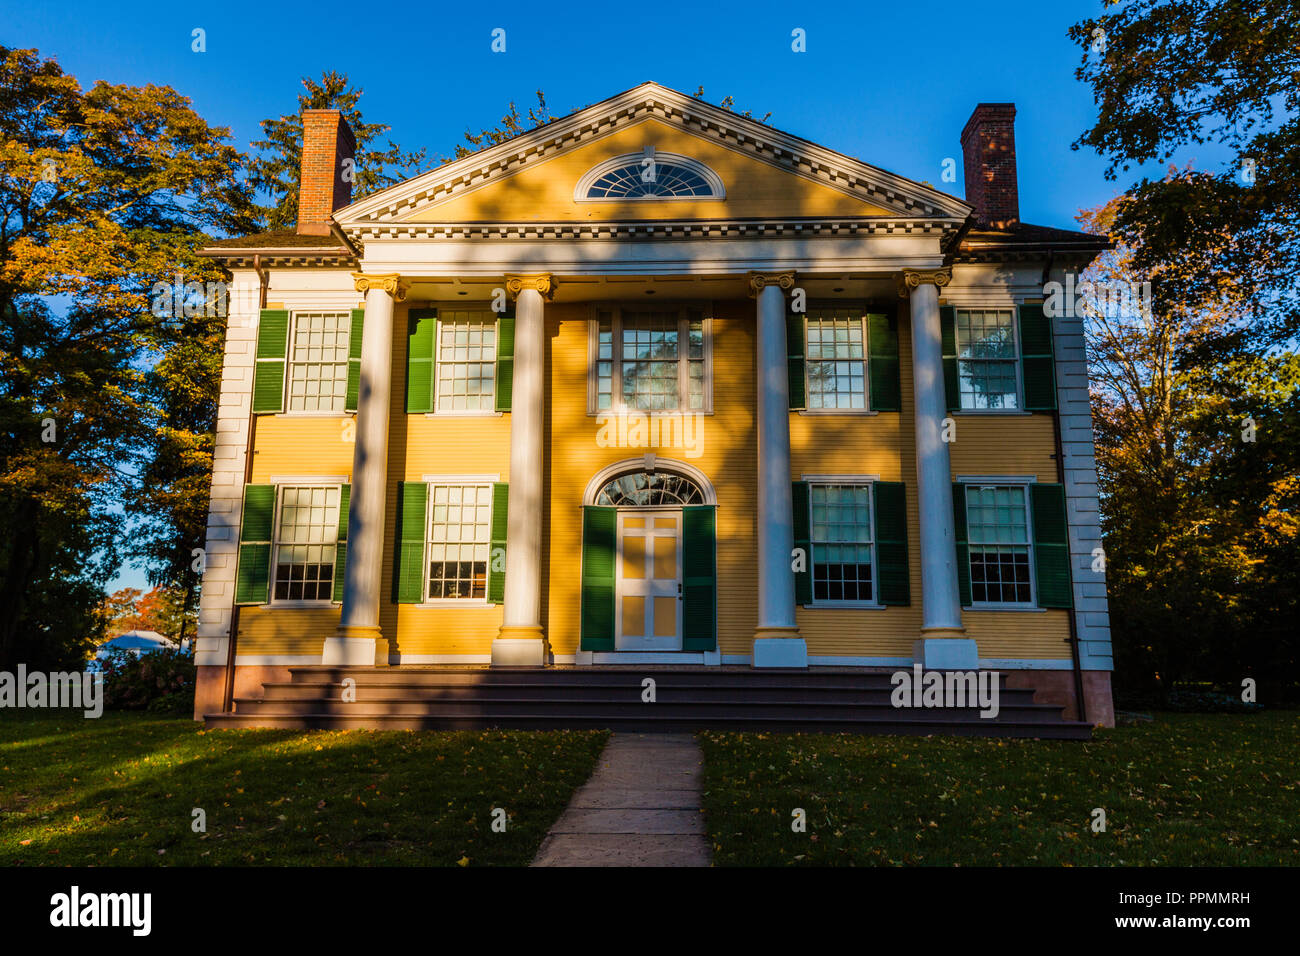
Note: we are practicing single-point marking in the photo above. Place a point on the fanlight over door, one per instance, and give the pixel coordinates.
(641, 489)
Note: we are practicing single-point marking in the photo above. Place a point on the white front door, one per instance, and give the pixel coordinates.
(649, 575)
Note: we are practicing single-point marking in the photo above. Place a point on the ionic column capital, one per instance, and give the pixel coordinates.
(910, 279)
(758, 281)
(542, 282)
(390, 282)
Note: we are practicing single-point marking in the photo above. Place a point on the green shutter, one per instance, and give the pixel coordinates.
(794, 347)
(253, 574)
(802, 539)
(598, 550)
(354, 360)
(948, 333)
(496, 588)
(883, 363)
(268, 374)
(1037, 361)
(421, 353)
(505, 359)
(963, 549)
(1051, 545)
(699, 579)
(341, 549)
(892, 573)
(408, 568)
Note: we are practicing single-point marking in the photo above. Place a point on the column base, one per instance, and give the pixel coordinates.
(350, 647)
(779, 647)
(516, 646)
(946, 653)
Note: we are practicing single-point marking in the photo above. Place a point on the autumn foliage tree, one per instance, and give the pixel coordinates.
(103, 193)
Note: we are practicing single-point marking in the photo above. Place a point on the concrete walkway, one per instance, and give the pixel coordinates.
(640, 808)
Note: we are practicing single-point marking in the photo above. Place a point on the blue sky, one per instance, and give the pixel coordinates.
(891, 84)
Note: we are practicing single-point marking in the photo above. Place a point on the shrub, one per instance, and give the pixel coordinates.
(160, 682)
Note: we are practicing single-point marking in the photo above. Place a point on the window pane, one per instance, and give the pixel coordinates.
(650, 351)
(986, 358)
(318, 361)
(841, 540)
(836, 360)
(466, 360)
(997, 528)
(305, 543)
(460, 521)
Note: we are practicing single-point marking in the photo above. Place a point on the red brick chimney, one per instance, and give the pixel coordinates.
(327, 149)
(988, 145)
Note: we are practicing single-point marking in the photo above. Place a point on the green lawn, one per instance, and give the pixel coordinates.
(1188, 789)
(122, 790)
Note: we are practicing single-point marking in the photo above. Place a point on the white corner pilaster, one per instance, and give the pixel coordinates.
(942, 643)
(777, 642)
(229, 459)
(353, 644)
(521, 641)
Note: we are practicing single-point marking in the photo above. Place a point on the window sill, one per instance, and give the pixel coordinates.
(455, 602)
(1033, 608)
(844, 606)
(833, 412)
(463, 414)
(343, 414)
(645, 413)
(301, 604)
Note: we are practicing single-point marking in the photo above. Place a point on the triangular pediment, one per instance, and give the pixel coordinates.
(763, 174)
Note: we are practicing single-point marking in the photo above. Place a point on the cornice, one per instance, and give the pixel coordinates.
(741, 134)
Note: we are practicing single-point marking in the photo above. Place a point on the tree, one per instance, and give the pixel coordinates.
(1167, 75)
(511, 125)
(277, 169)
(104, 194)
(1199, 473)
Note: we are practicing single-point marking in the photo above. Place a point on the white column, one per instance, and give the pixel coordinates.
(776, 641)
(521, 641)
(354, 642)
(942, 643)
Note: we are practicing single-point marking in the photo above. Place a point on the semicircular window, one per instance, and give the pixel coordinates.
(641, 488)
(658, 177)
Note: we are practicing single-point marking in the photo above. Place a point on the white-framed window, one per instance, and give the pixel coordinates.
(466, 358)
(306, 540)
(649, 175)
(843, 543)
(836, 359)
(999, 543)
(651, 360)
(988, 367)
(459, 539)
(318, 361)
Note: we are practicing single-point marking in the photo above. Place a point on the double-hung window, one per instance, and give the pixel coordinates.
(318, 361)
(650, 361)
(836, 359)
(460, 522)
(843, 546)
(306, 540)
(999, 541)
(987, 359)
(466, 356)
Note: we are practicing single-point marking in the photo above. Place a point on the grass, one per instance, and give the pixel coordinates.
(121, 790)
(1184, 790)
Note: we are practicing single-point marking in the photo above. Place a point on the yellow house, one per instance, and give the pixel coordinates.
(656, 384)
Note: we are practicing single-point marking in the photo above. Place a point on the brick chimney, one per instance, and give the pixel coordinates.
(327, 142)
(988, 145)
